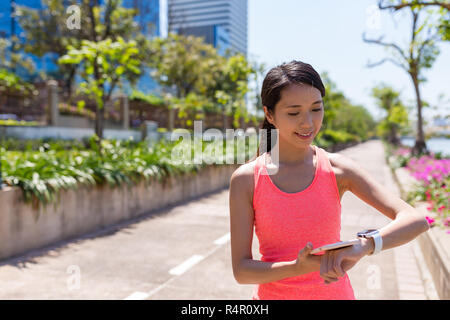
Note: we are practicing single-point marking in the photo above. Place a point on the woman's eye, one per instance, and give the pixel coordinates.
(294, 114)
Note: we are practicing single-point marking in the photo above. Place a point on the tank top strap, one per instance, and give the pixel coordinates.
(327, 170)
(257, 170)
(323, 161)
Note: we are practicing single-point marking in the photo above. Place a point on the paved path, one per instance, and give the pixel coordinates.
(183, 252)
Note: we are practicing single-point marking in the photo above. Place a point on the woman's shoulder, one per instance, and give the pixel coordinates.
(343, 167)
(243, 177)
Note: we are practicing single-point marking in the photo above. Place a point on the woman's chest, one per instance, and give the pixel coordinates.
(299, 180)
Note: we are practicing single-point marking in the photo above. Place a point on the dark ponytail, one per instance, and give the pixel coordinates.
(278, 78)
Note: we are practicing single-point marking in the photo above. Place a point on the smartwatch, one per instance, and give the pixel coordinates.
(375, 234)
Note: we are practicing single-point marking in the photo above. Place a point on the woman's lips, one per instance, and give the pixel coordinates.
(304, 137)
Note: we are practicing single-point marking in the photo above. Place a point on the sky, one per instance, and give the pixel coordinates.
(328, 35)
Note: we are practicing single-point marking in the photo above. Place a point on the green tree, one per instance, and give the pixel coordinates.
(183, 65)
(396, 120)
(105, 65)
(419, 55)
(230, 86)
(47, 32)
(333, 101)
(343, 121)
(355, 120)
(443, 14)
(12, 62)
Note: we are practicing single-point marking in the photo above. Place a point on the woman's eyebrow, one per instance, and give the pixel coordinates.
(299, 105)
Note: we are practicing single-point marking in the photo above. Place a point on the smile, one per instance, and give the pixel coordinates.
(301, 136)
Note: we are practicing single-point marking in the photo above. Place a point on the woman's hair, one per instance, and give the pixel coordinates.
(278, 78)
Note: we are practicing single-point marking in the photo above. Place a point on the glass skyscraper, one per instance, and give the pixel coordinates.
(152, 19)
(222, 23)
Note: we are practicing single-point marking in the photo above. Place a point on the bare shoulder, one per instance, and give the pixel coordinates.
(348, 172)
(243, 176)
(342, 166)
(366, 186)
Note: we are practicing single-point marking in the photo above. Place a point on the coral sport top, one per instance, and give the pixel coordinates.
(285, 222)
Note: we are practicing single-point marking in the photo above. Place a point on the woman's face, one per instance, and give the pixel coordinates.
(299, 111)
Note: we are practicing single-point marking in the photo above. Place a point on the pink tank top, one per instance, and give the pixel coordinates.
(285, 222)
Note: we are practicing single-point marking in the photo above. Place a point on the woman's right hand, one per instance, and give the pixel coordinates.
(307, 262)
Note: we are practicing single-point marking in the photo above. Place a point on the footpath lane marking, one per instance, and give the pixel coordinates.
(180, 269)
(162, 286)
(222, 240)
(137, 296)
(183, 267)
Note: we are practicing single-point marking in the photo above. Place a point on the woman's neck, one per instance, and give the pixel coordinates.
(293, 156)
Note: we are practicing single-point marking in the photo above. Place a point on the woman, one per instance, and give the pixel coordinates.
(298, 207)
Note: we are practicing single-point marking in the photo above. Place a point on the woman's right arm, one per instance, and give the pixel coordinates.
(245, 269)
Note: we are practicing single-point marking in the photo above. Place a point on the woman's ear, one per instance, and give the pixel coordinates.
(268, 115)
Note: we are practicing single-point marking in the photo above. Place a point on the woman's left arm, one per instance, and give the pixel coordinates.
(407, 223)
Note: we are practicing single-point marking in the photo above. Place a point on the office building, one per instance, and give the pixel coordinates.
(151, 18)
(222, 23)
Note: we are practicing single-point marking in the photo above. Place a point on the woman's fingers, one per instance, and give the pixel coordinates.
(324, 268)
(331, 261)
(337, 267)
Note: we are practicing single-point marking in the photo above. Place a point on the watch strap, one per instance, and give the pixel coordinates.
(375, 235)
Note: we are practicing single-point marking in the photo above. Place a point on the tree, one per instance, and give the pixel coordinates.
(105, 65)
(443, 22)
(419, 55)
(341, 115)
(183, 65)
(47, 31)
(11, 63)
(230, 87)
(333, 101)
(396, 120)
(257, 78)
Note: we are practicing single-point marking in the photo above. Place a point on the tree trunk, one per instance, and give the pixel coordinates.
(393, 138)
(225, 121)
(99, 121)
(420, 145)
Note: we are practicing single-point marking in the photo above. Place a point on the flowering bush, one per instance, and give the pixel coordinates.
(402, 156)
(434, 177)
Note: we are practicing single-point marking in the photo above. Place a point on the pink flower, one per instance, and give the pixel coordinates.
(430, 220)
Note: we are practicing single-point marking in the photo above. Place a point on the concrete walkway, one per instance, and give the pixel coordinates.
(183, 252)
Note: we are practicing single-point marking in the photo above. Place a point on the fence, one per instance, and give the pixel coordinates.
(56, 107)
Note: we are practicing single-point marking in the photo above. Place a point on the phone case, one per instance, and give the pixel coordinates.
(336, 245)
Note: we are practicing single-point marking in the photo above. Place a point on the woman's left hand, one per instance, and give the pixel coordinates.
(335, 263)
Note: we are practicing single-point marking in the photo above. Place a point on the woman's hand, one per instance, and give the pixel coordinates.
(335, 263)
(307, 262)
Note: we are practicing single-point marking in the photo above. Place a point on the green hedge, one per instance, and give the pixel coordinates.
(11, 122)
(42, 173)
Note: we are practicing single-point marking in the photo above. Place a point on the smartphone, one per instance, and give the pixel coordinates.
(336, 245)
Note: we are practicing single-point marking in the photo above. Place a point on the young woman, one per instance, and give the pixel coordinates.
(299, 207)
